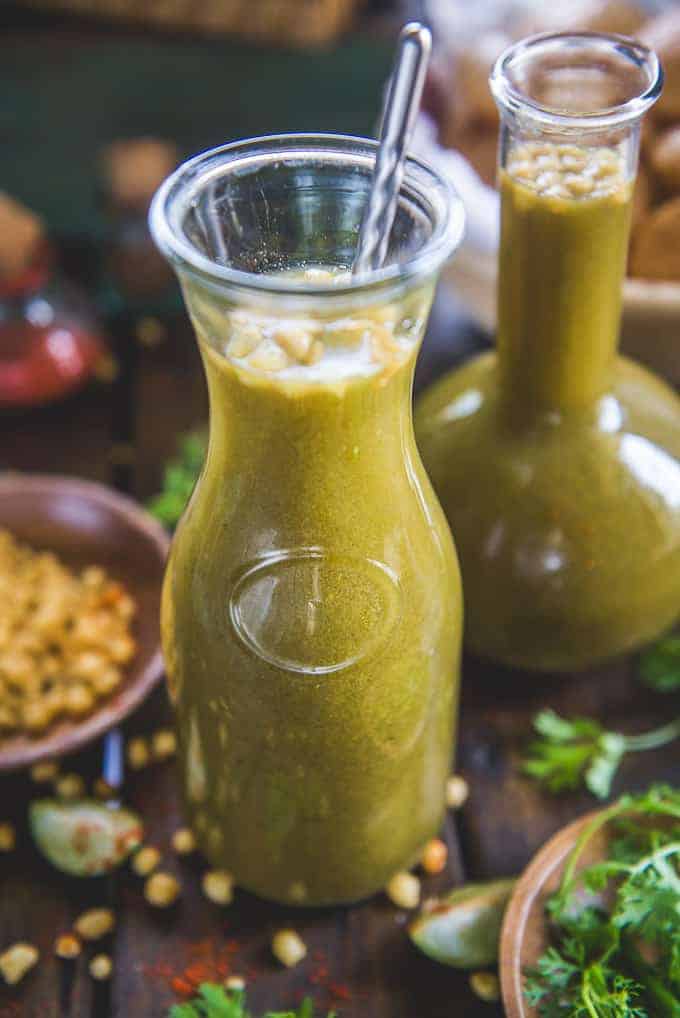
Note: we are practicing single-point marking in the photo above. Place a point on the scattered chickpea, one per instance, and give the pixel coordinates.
(163, 744)
(150, 332)
(103, 790)
(17, 960)
(184, 841)
(434, 857)
(101, 967)
(146, 860)
(457, 791)
(44, 771)
(218, 887)
(8, 837)
(162, 890)
(95, 923)
(138, 754)
(67, 946)
(235, 983)
(288, 947)
(486, 986)
(70, 786)
(403, 890)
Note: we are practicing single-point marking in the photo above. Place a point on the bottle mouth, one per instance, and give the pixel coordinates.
(244, 214)
(587, 80)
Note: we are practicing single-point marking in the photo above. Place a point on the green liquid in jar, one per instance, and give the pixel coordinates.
(557, 461)
(312, 605)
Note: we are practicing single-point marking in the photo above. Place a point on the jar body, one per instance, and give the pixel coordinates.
(311, 628)
(557, 461)
(568, 531)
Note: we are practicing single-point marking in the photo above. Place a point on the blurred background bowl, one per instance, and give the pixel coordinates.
(88, 524)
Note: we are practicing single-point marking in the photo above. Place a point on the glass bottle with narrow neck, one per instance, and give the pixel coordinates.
(312, 605)
(557, 460)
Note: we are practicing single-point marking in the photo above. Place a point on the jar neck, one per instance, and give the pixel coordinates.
(563, 249)
(335, 432)
(302, 453)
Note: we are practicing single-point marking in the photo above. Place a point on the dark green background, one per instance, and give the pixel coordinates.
(67, 89)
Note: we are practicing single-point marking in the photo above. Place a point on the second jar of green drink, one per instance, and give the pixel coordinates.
(312, 604)
(556, 460)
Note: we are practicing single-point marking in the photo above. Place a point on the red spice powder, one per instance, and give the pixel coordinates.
(205, 962)
(339, 991)
(181, 987)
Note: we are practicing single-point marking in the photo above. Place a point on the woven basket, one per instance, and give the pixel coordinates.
(291, 22)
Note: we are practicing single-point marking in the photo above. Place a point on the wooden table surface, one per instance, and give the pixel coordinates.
(121, 433)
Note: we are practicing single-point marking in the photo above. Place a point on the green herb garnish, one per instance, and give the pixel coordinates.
(615, 924)
(213, 1001)
(660, 665)
(179, 477)
(569, 752)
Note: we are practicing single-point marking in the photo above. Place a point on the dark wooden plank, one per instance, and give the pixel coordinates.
(365, 948)
(507, 816)
(170, 397)
(71, 437)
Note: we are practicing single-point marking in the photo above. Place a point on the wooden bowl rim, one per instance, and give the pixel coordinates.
(135, 691)
(542, 867)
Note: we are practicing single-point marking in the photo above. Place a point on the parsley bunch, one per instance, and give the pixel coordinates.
(213, 1001)
(615, 924)
(660, 665)
(571, 751)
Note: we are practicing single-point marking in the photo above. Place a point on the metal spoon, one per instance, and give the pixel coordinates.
(398, 121)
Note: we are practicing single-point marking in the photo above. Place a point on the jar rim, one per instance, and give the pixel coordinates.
(511, 99)
(174, 197)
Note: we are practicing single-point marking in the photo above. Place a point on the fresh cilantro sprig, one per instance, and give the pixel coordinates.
(179, 477)
(615, 924)
(214, 1001)
(569, 752)
(660, 665)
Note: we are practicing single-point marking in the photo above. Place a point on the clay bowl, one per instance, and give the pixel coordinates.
(88, 524)
(524, 936)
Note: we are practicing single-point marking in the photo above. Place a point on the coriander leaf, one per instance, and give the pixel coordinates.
(179, 477)
(660, 665)
(214, 1001)
(561, 756)
(593, 967)
(576, 751)
(604, 764)
(648, 902)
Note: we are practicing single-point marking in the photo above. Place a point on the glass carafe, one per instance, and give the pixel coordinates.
(312, 604)
(556, 459)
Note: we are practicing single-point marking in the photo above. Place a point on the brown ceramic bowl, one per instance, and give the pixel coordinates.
(88, 524)
(524, 936)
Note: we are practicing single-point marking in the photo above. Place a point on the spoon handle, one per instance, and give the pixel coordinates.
(398, 121)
